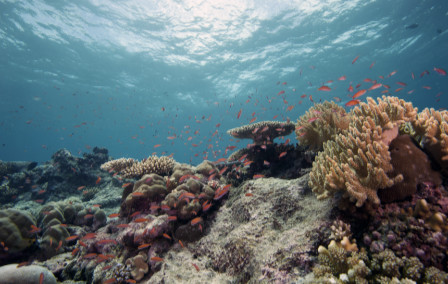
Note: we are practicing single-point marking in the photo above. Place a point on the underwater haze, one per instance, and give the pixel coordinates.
(170, 77)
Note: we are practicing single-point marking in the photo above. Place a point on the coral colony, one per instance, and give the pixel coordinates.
(377, 215)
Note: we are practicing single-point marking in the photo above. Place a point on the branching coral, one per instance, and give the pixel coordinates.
(321, 123)
(130, 168)
(357, 161)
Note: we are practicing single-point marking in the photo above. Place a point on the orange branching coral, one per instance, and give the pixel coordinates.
(321, 123)
(357, 161)
(129, 168)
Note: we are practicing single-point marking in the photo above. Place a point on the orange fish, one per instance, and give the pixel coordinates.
(258, 176)
(249, 194)
(324, 88)
(312, 119)
(290, 108)
(376, 86)
(239, 113)
(141, 220)
(135, 214)
(352, 103)
(41, 278)
(196, 267)
(157, 259)
(342, 78)
(280, 93)
(359, 93)
(114, 215)
(126, 185)
(143, 246)
(354, 60)
(110, 281)
(440, 71)
(196, 221)
(130, 281)
(252, 120)
(157, 145)
(137, 194)
(71, 238)
(282, 154)
(122, 226)
(166, 236)
(98, 180)
(172, 218)
(89, 236)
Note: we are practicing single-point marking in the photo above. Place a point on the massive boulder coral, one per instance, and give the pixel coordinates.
(130, 168)
(321, 123)
(357, 161)
(16, 231)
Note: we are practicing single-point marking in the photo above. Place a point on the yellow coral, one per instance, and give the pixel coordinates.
(357, 160)
(321, 123)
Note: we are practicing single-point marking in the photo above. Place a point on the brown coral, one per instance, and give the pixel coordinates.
(262, 132)
(321, 123)
(357, 161)
(139, 266)
(129, 168)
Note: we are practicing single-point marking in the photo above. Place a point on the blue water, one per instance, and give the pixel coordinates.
(126, 75)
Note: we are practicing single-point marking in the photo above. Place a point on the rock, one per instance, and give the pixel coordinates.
(10, 274)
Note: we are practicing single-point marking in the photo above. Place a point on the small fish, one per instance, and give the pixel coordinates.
(313, 119)
(402, 84)
(143, 246)
(110, 281)
(71, 238)
(249, 194)
(376, 86)
(258, 176)
(342, 78)
(352, 103)
(41, 278)
(137, 194)
(98, 180)
(196, 221)
(359, 93)
(280, 93)
(156, 258)
(239, 114)
(89, 236)
(135, 214)
(324, 88)
(290, 108)
(440, 71)
(354, 60)
(157, 145)
(141, 220)
(165, 235)
(114, 215)
(282, 154)
(122, 226)
(196, 267)
(252, 120)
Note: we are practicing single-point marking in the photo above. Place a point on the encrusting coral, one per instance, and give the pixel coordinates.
(321, 123)
(130, 168)
(357, 161)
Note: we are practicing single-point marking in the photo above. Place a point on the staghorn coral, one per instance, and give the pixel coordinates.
(321, 123)
(130, 168)
(262, 132)
(357, 161)
(339, 230)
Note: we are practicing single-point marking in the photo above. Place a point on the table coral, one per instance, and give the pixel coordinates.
(130, 168)
(357, 161)
(321, 123)
(262, 132)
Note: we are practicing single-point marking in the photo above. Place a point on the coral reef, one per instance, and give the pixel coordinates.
(357, 161)
(130, 168)
(322, 122)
